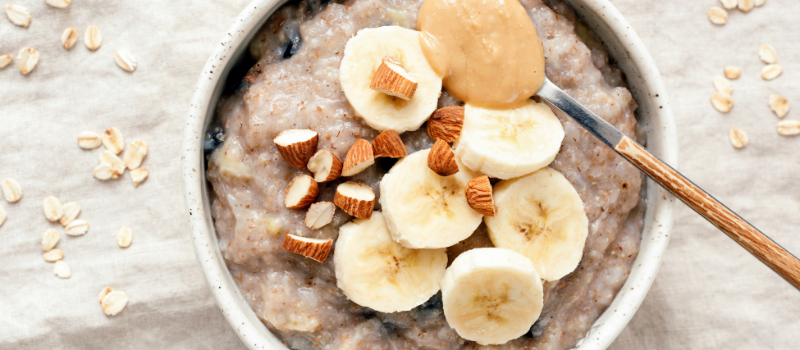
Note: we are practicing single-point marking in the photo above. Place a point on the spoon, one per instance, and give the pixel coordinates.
(750, 238)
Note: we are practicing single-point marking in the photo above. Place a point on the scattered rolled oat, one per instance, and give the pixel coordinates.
(738, 138)
(114, 302)
(103, 293)
(53, 210)
(58, 3)
(50, 240)
(77, 228)
(124, 237)
(92, 38)
(112, 139)
(11, 190)
(138, 175)
(789, 127)
(5, 60)
(771, 71)
(722, 102)
(89, 140)
(134, 154)
(124, 60)
(71, 212)
(116, 164)
(767, 54)
(746, 5)
(760, 2)
(53, 255)
(62, 270)
(18, 15)
(102, 171)
(2, 216)
(732, 72)
(723, 85)
(729, 4)
(718, 15)
(27, 58)
(779, 105)
(69, 37)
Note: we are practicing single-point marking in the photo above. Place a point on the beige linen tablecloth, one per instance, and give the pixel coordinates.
(709, 293)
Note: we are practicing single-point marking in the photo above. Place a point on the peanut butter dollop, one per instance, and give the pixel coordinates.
(486, 51)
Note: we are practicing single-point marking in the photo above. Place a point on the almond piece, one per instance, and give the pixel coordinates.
(312, 248)
(388, 144)
(446, 123)
(319, 215)
(297, 146)
(479, 195)
(358, 158)
(325, 165)
(355, 198)
(301, 192)
(393, 80)
(441, 159)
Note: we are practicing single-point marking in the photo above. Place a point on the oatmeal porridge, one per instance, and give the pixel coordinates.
(288, 263)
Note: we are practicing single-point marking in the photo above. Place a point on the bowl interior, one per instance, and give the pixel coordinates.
(228, 64)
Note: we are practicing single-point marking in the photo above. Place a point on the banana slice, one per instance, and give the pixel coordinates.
(542, 217)
(423, 209)
(509, 143)
(491, 295)
(374, 271)
(363, 55)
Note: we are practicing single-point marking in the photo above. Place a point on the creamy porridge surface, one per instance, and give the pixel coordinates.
(295, 85)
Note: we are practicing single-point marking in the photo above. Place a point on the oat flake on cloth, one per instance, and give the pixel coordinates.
(709, 293)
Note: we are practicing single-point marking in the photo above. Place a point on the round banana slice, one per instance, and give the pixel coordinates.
(509, 143)
(491, 295)
(364, 53)
(542, 217)
(425, 210)
(374, 271)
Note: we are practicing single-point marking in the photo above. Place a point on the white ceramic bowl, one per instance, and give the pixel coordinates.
(625, 48)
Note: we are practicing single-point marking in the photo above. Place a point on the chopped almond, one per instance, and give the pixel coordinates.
(393, 80)
(301, 192)
(479, 195)
(441, 159)
(325, 165)
(388, 144)
(446, 123)
(319, 214)
(355, 198)
(312, 248)
(297, 146)
(358, 158)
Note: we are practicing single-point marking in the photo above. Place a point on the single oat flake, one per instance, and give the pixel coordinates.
(11, 190)
(723, 85)
(767, 54)
(2, 216)
(27, 58)
(124, 60)
(53, 255)
(718, 15)
(114, 302)
(77, 228)
(771, 71)
(779, 105)
(116, 164)
(50, 239)
(102, 171)
(103, 293)
(138, 175)
(62, 270)
(738, 138)
(53, 210)
(71, 212)
(760, 2)
(69, 37)
(134, 154)
(5, 60)
(722, 102)
(58, 3)
(18, 15)
(112, 139)
(124, 237)
(789, 127)
(729, 4)
(746, 5)
(732, 72)
(89, 140)
(92, 38)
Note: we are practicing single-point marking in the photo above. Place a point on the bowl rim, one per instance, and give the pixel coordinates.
(226, 294)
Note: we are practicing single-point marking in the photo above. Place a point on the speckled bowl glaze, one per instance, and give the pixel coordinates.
(624, 47)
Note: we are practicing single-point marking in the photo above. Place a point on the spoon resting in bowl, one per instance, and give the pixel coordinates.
(749, 237)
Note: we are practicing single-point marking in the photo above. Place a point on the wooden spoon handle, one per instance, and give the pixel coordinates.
(764, 248)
